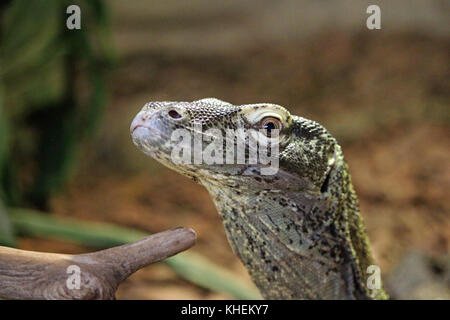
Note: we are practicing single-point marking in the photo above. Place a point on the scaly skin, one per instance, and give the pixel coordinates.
(299, 232)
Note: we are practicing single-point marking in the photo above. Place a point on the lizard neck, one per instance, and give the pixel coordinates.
(299, 245)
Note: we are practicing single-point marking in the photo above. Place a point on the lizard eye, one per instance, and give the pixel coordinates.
(269, 124)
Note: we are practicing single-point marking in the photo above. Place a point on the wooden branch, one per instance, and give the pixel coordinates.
(96, 275)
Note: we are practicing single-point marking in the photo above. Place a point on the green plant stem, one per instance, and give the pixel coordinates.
(190, 266)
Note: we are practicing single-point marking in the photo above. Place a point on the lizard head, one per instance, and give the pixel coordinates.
(300, 152)
(297, 228)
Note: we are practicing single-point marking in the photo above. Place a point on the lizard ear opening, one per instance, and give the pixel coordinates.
(326, 183)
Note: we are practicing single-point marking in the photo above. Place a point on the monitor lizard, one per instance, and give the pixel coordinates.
(299, 232)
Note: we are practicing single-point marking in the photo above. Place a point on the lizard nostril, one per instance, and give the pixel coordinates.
(174, 114)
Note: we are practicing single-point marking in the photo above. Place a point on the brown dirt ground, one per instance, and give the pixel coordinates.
(385, 98)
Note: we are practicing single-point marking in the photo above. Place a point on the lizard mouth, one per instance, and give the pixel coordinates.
(137, 126)
(146, 126)
(145, 132)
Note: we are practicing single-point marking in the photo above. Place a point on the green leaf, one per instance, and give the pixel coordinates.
(6, 229)
(190, 266)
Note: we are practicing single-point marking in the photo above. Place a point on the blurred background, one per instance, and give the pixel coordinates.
(68, 168)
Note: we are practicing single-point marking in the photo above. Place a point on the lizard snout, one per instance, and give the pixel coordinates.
(147, 120)
(139, 121)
